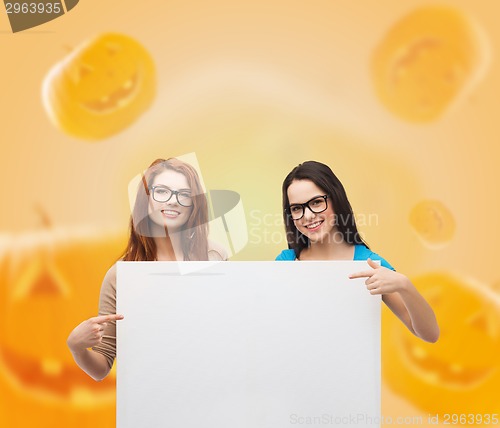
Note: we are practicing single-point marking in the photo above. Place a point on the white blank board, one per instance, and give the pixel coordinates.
(246, 345)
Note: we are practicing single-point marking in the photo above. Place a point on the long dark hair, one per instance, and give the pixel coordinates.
(141, 245)
(321, 175)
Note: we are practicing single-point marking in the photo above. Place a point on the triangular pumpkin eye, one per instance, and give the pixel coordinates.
(45, 285)
(483, 321)
(40, 280)
(112, 49)
(85, 70)
(478, 320)
(79, 72)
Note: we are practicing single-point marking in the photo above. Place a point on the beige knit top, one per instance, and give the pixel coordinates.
(107, 304)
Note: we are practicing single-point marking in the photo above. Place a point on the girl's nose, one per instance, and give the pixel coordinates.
(308, 214)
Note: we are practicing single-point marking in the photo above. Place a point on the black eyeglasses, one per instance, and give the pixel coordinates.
(316, 205)
(164, 194)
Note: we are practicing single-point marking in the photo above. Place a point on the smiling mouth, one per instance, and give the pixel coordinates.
(119, 98)
(170, 213)
(54, 379)
(315, 225)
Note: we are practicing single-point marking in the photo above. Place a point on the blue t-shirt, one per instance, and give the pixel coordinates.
(360, 253)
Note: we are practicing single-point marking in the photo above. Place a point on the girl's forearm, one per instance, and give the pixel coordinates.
(92, 363)
(422, 316)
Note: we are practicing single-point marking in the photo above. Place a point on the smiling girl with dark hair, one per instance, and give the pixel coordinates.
(320, 225)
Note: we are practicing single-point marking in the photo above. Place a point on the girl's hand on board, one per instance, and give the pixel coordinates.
(381, 280)
(89, 332)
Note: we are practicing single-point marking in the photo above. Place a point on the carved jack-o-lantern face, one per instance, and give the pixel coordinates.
(50, 282)
(461, 372)
(427, 60)
(433, 222)
(101, 88)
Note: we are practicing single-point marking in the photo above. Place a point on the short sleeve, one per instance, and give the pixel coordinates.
(362, 252)
(285, 255)
(383, 262)
(107, 305)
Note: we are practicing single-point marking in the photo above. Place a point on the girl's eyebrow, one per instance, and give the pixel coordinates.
(179, 190)
(299, 203)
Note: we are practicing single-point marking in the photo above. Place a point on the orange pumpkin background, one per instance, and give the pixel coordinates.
(49, 280)
(101, 87)
(453, 376)
(399, 98)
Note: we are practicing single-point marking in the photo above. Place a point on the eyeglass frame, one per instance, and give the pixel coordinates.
(151, 190)
(306, 205)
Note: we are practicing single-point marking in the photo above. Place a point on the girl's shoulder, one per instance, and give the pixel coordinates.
(286, 255)
(216, 251)
(110, 276)
(361, 252)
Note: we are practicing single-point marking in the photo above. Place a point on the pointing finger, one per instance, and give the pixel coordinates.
(104, 318)
(365, 274)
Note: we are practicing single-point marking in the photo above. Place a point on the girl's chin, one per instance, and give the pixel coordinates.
(170, 224)
(318, 237)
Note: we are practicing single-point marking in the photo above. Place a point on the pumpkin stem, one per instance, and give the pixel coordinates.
(44, 217)
(496, 286)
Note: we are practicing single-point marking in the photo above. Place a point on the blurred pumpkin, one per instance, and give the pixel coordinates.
(427, 60)
(100, 88)
(433, 223)
(459, 373)
(50, 282)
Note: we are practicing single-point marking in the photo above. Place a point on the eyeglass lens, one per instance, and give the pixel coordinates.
(164, 194)
(316, 205)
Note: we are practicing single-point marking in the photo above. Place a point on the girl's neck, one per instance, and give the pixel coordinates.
(169, 248)
(328, 251)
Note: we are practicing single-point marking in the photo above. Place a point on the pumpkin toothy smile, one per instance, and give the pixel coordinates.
(54, 276)
(53, 378)
(457, 374)
(116, 99)
(437, 371)
(460, 371)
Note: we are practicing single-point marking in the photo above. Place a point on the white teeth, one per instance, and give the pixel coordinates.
(170, 212)
(313, 225)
